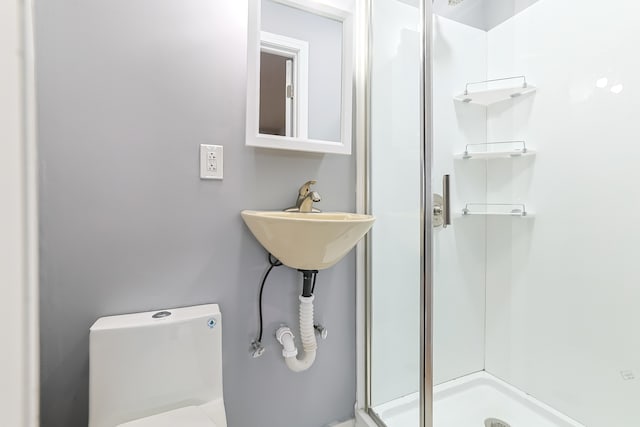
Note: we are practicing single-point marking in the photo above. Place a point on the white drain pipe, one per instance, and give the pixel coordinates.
(307, 334)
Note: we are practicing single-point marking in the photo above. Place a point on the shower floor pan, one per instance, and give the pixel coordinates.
(471, 401)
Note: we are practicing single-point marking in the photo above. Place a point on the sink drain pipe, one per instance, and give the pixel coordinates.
(307, 331)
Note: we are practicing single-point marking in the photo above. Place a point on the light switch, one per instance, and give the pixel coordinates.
(211, 161)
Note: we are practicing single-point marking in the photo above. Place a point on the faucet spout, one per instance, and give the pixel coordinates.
(307, 203)
(306, 198)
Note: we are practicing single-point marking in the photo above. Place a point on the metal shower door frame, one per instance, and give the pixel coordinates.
(426, 218)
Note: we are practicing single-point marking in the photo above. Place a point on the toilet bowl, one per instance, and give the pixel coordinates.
(160, 369)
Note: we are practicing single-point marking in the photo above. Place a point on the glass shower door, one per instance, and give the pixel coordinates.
(394, 197)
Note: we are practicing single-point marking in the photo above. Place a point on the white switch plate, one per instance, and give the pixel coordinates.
(211, 161)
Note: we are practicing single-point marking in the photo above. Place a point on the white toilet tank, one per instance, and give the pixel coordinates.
(167, 363)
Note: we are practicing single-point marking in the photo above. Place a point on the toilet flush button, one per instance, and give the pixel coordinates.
(161, 314)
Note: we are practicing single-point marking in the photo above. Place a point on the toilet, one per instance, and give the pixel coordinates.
(160, 369)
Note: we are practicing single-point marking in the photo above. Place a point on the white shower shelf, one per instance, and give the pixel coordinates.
(491, 96)
(496, 209)
(520, 150)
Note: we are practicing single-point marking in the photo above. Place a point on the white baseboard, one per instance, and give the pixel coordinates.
(349, 423)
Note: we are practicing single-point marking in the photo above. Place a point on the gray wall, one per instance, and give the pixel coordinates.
(127, 92)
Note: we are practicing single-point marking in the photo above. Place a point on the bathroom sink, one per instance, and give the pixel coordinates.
(307, 241)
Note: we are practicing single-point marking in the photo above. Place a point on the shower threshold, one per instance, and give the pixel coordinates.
(471, 401)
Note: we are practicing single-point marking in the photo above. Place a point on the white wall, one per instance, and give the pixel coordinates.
(460, 55)
(498, 11)
(482, 14)
(11, 224)
(562, 289)
(469, 12)
(18, 400)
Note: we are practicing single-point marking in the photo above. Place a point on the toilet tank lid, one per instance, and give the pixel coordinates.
(189, 416)
(150, 318)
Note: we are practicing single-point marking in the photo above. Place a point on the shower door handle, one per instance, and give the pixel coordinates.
(442, 205)
(446, 199)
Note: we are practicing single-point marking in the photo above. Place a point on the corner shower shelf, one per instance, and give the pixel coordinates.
(519, 151)
(488, 97)
(496, 209)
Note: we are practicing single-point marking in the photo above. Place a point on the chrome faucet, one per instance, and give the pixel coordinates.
(306, 198)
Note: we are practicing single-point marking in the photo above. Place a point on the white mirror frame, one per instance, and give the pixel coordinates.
(256, 139)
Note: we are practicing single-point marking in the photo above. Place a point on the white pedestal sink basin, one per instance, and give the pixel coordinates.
(307, 241)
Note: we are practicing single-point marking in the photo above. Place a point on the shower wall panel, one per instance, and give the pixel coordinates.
(459, 56)
(562, 287)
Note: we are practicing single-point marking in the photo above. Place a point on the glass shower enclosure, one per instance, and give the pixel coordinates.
(509, 296)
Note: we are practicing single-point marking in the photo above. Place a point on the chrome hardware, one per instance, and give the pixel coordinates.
(306, 198)
(161, 314)
(504, 209)
(305, 188)
(468, 96)
(307, 203)
(321, 330)
(495, 422)
(446, 197)
(438, 220)
(442, 205)
(257, 349)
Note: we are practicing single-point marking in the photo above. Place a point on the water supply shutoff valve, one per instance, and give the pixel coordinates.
(257, 349)
(321, 330)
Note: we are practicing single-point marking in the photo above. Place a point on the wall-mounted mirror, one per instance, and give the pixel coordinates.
(300, 75)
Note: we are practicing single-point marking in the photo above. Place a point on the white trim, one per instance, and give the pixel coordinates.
(298, 50)
(323, 9)
(253, 138)
(360, 118)
(18, 219)
(32, 281)
(290, 110)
